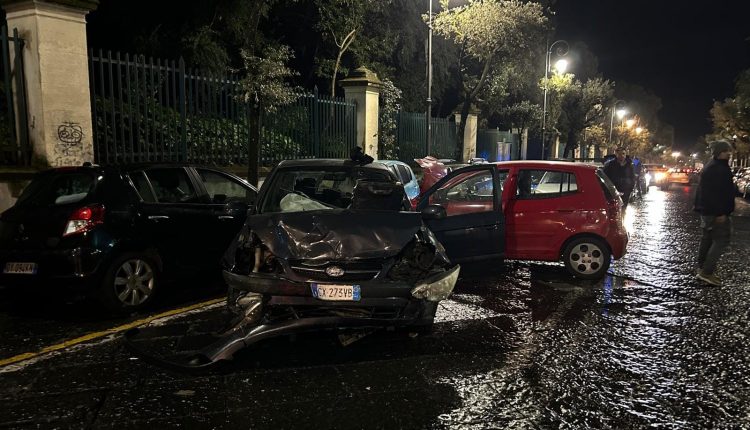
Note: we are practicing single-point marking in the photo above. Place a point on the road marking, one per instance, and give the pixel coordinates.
(96, 335)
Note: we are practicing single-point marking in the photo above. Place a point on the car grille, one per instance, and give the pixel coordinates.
(362, 270)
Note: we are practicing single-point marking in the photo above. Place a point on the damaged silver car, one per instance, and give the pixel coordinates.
(330, 244)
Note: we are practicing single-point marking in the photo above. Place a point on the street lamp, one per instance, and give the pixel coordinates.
(561, 65)
(620, 114)
(429, 83)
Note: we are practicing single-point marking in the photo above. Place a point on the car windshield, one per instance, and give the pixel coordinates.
(309, 189)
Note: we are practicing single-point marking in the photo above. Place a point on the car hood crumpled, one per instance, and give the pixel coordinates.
(335, 234)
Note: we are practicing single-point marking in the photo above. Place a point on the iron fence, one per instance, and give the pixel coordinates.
(412, 137)
(15, 148)
(156, 110)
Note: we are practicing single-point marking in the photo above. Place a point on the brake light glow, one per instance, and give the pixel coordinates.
(84, 219)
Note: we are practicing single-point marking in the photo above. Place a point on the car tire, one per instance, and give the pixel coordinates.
(130, 283)
(587, 258)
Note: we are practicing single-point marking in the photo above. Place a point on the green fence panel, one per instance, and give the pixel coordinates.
(147, 110)
(412, 137)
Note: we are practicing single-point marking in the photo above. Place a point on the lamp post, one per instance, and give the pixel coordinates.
(429, 83)
(561, 50)
(620, 113)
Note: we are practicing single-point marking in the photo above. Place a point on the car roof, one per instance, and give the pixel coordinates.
(392, 162)
(129, 166)
(545, 164)
(327, 162)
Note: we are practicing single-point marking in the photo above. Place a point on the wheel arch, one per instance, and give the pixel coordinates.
(139, 246)
(567, 242)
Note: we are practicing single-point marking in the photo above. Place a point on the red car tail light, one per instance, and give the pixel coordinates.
(84, 219)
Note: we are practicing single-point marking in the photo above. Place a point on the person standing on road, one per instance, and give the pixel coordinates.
(638, 171)
(714, 200)
(620, 172)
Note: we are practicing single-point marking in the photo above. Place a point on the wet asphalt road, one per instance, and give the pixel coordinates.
(517, 346)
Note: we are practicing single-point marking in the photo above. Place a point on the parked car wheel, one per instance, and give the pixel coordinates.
(130, 282)
(587, 258)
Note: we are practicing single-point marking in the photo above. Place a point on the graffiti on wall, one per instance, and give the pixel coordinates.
(69, 148)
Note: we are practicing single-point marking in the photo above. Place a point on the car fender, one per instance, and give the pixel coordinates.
(582, 235)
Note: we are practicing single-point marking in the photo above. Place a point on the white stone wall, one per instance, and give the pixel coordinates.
(57, 80)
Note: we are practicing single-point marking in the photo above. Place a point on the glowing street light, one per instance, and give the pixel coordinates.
(561, 65)
(639, 130)
(630, 123)
(621, 112)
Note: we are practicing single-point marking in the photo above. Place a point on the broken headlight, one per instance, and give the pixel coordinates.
(248, 255)
(437, 287)
(421, 257)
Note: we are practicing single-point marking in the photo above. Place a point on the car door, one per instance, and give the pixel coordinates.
(174, 216)
(473, 227)
(543, 207)
(229, 198)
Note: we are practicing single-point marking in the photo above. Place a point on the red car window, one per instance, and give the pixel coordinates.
(471, 192)
(536, 184)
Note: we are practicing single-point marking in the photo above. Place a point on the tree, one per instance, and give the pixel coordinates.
(582, 107)
(488, 34)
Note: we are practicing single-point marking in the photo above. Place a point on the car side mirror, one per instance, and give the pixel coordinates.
(434, 212)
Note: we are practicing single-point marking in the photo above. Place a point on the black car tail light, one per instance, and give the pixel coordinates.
(84, 219)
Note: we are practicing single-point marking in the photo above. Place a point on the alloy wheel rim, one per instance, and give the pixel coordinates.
(586, 258)
(134, 282)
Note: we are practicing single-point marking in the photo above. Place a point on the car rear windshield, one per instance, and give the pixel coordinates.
(58, 188)
(304, 190)
(610, 191)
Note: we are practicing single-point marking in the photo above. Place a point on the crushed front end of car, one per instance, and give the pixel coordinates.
(336, 270)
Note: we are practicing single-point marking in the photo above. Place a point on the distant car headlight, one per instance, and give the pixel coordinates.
(437, 287)
(660, 176)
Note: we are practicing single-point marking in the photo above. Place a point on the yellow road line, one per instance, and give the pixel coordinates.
(103, 333)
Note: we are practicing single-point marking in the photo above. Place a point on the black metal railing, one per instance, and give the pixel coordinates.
(15, 148)
(156, 110)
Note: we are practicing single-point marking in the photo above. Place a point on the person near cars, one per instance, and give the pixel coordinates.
(714, 200)
(638, 172)
(620, 172)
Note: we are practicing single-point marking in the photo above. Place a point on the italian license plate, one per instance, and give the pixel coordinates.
(20, 268)
(334, 292)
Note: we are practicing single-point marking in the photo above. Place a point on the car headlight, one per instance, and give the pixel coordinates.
(437, 287)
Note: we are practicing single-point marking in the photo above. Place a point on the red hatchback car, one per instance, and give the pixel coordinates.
(529, 210)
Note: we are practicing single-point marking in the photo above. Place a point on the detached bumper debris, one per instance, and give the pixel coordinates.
(255, 323)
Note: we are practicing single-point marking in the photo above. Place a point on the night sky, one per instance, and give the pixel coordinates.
(688, 53)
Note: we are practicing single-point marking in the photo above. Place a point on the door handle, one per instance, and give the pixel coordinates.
(225, 217)
(158, 217)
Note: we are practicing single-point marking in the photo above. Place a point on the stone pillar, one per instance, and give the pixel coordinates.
(55, 59)
(363, 87)
(470, 135)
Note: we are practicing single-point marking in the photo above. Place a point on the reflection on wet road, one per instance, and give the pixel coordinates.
(519, 345)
